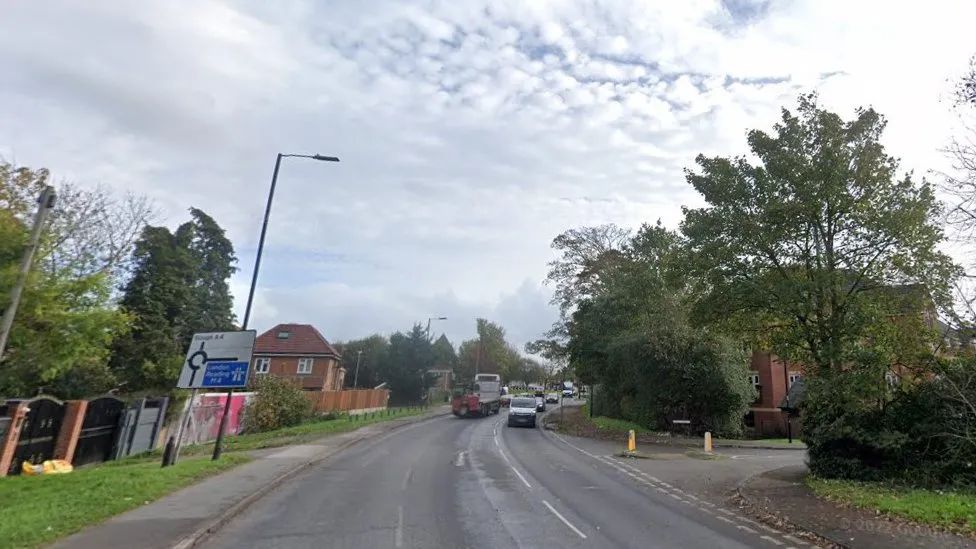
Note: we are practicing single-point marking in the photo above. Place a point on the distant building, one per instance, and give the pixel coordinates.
(298, 352)
(444, 378)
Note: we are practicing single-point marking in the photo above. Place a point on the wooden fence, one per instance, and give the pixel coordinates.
(349, 401)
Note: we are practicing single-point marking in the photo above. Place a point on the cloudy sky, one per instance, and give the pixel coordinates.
(471, 133)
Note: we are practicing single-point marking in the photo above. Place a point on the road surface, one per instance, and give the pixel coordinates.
(459, 483)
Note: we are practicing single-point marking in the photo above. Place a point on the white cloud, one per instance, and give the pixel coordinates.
(470, 134)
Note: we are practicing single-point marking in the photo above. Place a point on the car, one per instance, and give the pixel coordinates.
(552, 398)
(521, 412)
(567, 393)
(540, 404)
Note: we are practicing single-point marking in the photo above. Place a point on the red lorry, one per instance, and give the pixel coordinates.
(484, 399)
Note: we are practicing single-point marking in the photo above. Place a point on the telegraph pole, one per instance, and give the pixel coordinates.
(45, 203)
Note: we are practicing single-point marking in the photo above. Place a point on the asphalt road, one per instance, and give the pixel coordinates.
(456, 483)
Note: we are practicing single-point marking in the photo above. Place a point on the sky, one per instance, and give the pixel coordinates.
(470, 133)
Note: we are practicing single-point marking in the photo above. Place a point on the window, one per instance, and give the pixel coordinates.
(262, 365)
(754, 379)
(284, 335)
(305, 365)
(892, 379)
(794, 378)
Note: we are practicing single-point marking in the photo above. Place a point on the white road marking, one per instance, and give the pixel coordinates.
(459, 460)
(792, 539)
(562, 518)
(730, 521)
(771, 540)
(399, 528)
(512, 467)
(746, 529)
(571, 445)
(406, 478)
(726, 512)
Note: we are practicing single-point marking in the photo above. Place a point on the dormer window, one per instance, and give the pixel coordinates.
(284, 335)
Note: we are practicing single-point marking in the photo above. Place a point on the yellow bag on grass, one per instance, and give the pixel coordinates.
(49, 467)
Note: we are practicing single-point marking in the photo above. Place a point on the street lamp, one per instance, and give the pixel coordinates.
(428, 323)
(355, 380)
(254, 276)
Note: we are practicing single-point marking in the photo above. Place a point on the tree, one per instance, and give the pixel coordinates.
(66, 321)
(444, 354)
(800, 247)
(178, 287)
(370, 353)
(634, 338)
(406, 364)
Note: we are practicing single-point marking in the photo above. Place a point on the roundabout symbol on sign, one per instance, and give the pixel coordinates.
(199, 359)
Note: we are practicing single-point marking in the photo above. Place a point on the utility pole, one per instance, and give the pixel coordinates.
(355, 379)
(45, 203)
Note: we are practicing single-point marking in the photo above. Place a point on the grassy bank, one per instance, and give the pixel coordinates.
(38, 510)
(299, 434)
(950, 510)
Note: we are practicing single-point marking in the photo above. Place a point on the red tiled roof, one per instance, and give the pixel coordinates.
(302, 339)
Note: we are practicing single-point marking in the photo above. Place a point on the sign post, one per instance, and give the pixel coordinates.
(215, 360)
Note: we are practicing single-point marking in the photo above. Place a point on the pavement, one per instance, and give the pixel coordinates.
(782, 494)
(476, 483)
(183, 517)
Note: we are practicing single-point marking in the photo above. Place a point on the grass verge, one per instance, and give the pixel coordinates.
(949, 510)
(301, 433)
(38, 510)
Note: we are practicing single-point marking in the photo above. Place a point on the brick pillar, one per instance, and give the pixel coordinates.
(9, 443)
(74, 416)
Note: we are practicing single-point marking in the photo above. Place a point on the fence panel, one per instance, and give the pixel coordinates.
(39, 433)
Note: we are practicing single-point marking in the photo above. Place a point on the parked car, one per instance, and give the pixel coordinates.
(522, 412)
(552, 398)
(540, 404)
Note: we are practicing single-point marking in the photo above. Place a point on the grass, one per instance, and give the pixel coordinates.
(950, 510)
(38, 510)
(300, 433)
(613, 424)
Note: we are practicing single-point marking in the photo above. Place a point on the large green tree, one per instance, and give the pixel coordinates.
(66, 320)
(178, 287)
(370, 354)
(634, 339)
(799, 246)
(406, 363)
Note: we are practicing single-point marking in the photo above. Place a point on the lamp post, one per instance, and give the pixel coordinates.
(355, 379)
(428, 323)
(254, 276)
(45, 203)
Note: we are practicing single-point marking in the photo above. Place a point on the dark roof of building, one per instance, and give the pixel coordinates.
(293, 339)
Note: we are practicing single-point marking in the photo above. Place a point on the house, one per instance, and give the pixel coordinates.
(298, 352)
(443, 378)
(772, 377)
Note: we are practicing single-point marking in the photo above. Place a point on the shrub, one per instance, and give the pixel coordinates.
(918, 433)
(278, 403)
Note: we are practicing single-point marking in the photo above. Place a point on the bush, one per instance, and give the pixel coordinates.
(918, 433)
(278, 403)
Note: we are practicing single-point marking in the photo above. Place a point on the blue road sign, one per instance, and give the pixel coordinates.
(225, 374)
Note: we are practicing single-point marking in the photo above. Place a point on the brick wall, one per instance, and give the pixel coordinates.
(324, 376)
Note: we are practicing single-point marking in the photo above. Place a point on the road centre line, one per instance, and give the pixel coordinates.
(406, 478)
(399, 528)
(562, 518)
(512, 467)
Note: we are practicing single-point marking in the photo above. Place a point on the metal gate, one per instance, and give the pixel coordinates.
(98, 430)
(39, 433)
(140, 426)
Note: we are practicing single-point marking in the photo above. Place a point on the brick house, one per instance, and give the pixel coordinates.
(298, 352)
(772, 377)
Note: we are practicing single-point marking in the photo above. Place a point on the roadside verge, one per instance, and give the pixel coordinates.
(781, 498)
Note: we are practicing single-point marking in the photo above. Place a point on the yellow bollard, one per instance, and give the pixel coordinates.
(708, 442)
(632, 442)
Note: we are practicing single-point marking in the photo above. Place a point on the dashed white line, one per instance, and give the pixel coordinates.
(771, 540)
(512, 467)
(562, 518)
(723, 519)
(746, 529)
(399, 528)
(406, 478)
(459, 460)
